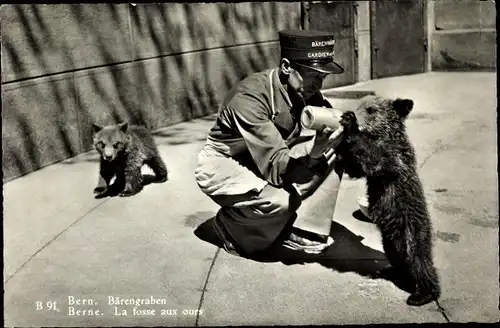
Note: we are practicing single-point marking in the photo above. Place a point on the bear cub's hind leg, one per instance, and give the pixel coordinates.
(427, 284)
(397, 270)
(159, 168)
(417, 273)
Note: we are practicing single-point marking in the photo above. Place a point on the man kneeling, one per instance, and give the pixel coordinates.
(247, 165)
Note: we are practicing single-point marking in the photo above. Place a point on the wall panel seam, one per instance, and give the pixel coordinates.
(138, 60)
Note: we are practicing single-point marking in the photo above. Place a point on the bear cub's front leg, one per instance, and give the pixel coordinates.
(102, 187)
(133, 180)
(346, 160)
(106, 173)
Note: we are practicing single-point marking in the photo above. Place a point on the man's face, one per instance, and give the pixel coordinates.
(305, 81)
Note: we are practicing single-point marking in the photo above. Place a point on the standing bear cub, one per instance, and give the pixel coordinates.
(377, 148)
(124, 150)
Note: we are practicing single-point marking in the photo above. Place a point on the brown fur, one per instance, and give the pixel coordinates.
(377, 147)
(124, 150)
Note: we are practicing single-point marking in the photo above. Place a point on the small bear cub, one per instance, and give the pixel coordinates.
(376, 147)
(124, 150)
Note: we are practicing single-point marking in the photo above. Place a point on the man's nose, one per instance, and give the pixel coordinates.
(318, 82)
(320, 78)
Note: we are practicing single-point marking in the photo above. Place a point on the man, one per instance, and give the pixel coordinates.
(246, 165)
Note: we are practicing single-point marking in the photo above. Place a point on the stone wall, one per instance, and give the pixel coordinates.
(65, 66)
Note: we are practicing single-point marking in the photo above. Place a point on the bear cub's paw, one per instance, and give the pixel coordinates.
(161, 178)
(349, 122)
(418, 298)
(100, 191)
(128, 192)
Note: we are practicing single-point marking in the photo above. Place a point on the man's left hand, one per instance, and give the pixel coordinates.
(327, 138)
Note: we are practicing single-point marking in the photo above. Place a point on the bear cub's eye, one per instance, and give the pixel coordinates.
(370, 110)
(100, 144)
(117, 145)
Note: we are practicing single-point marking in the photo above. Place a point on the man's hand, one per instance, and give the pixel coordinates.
(306, 189)
(305, 173)
(272, 200)
(325, 139)
(334, 137)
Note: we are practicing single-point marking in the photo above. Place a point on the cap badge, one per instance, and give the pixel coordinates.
(327, 43)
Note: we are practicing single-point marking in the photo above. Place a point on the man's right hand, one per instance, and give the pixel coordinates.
(305, 173)
(335, 138)
(272, 200)
(327, 139)
(305, 189)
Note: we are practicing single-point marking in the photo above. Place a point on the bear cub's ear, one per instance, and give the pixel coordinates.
(123, 127)
(403, 106)
(96, 128)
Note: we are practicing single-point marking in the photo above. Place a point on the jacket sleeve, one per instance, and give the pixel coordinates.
(263, 140)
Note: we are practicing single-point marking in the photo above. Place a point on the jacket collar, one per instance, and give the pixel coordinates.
(281, 98)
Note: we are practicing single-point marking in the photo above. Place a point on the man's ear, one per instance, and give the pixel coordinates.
(96, 128)
(403, 106)
(123, 126)
(285, 66)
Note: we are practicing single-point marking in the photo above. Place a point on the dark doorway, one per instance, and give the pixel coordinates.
(398, 37)
(337, 17)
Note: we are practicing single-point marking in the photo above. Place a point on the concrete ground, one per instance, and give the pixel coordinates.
(63, 247)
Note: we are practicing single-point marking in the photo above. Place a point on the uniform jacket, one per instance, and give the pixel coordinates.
(255, 122)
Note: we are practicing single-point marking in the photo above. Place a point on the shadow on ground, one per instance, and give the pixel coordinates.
(347, 254)
(116, 187)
